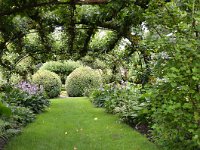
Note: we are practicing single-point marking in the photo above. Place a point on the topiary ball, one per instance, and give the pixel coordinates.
(50, 81)
(81, 80)
(63, 69)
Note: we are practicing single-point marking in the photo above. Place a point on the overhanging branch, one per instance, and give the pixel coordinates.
(90, 33)
(51, 3)
(71, 28)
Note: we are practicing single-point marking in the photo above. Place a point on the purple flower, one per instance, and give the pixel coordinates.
(31, 89)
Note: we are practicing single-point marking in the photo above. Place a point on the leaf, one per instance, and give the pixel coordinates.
(4, 110)
(174, 69)
(196, 116)
(174, 84)
(195, 78)
(187, 106)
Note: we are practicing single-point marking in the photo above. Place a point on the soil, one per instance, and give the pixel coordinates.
(3, 141)
(143, 129)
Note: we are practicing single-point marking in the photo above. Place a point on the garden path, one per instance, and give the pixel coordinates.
(74, 124)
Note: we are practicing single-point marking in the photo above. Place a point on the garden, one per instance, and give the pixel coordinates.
(99, 74)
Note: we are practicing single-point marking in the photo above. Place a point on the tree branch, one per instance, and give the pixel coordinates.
(90, 33)
(71, 28)
(50, 3)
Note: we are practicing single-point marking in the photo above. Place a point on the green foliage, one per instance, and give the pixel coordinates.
(175, 116)
(44, 34)
(21, 116)
(63, 69)
(17, 97)
(4, 111)
(1, 77)
(37, 103)
(7, 129)
(11, 95)
(2, 127)
(81, 80)
(70, 66)
(164, 34)
(15, 78)
(98, 96)
(175, 96)
(125, 100)
(25, 68)
(106, 36)
(100, 65)
(106, 75)
(94, 63)
(23, 102)
(50, 81)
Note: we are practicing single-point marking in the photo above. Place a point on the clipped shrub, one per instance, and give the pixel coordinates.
(70, 66)
(81, 80)
(50, 81)
(63, 69)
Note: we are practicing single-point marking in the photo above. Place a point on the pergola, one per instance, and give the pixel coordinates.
(122, 30)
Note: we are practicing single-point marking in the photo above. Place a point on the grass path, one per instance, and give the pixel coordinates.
(74, 124)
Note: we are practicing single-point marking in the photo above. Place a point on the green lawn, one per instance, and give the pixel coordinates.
(74, 124)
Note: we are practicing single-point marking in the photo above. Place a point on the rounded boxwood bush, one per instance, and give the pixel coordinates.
(81, 80)
(50, 81)
(63, 69)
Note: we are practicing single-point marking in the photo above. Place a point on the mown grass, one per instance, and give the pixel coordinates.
(74, 124)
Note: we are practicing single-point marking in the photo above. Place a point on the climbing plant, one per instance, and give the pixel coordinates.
(158, 41)
(46, 30)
